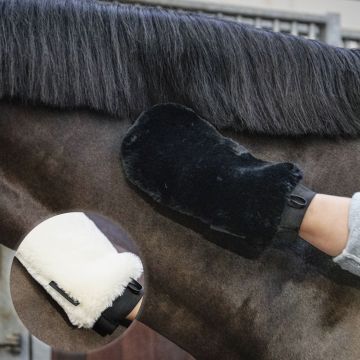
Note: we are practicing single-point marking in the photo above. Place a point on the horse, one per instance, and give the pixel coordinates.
(75, 74)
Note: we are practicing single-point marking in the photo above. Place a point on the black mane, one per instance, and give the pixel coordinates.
(121, 59)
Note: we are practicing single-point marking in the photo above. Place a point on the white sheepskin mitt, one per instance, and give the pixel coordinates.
(78, 266)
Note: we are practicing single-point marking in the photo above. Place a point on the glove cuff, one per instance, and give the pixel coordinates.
(122, 306)
(294, 211)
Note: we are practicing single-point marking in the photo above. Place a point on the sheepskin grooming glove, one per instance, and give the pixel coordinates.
(181, 161)
(82, 271)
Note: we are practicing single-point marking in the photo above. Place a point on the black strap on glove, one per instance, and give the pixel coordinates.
(115, 315)
(294, 211)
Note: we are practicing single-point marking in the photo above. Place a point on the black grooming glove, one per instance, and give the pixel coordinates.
(183, 162)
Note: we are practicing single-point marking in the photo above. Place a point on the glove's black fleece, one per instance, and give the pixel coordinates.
(183, 162)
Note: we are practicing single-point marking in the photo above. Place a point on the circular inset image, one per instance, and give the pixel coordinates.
(77, 281)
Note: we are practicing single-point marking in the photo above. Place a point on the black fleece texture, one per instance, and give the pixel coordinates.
(184, 163)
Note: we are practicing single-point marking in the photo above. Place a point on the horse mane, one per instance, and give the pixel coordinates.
(121, 59)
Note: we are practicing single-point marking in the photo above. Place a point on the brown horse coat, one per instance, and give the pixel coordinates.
(210, 301)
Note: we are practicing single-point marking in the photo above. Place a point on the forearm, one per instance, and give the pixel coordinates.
(325, 224)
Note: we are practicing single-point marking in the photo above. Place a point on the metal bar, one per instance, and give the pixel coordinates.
(276, 25)
(333, 30)
(312, 31)
(294, 28)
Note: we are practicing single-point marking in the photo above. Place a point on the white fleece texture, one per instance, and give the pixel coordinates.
(70, 250)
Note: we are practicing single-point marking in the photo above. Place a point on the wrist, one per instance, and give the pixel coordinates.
(134, 312)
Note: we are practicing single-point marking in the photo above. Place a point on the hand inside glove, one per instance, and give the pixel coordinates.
(184, 163)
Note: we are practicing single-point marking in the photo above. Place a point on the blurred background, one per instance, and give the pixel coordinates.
(333, 21)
